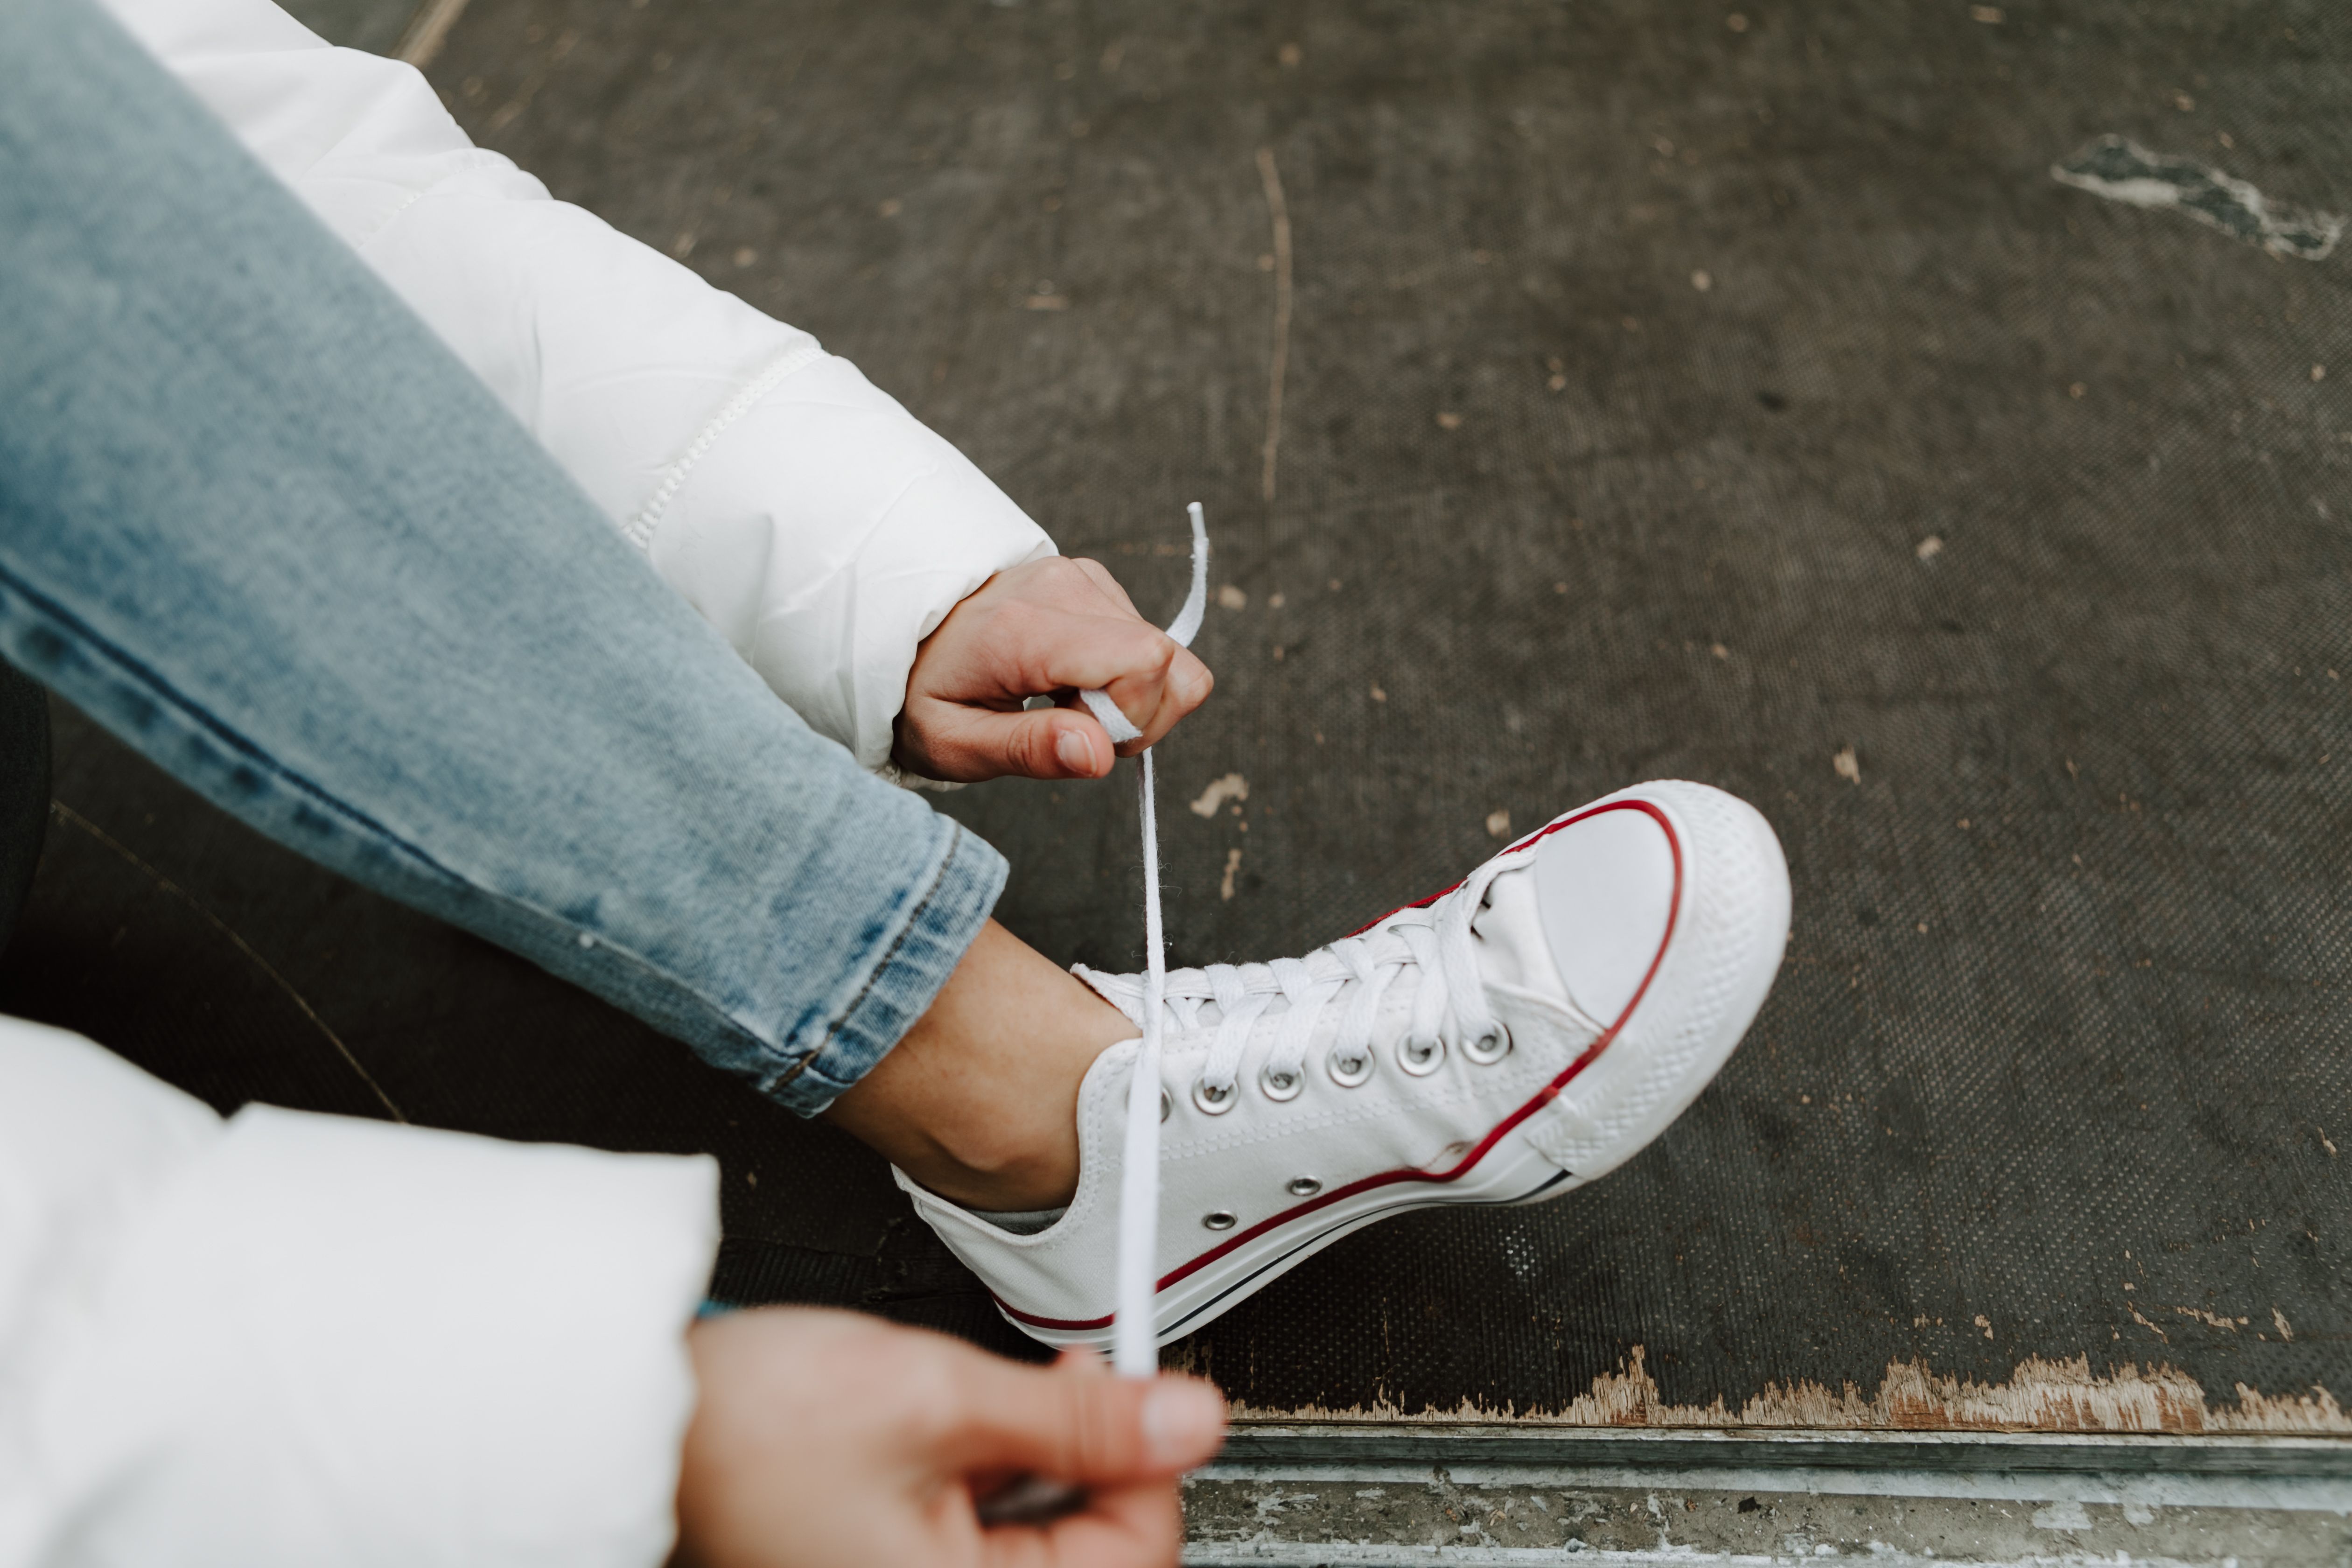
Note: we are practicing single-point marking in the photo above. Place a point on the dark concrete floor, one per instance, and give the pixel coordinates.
(1706, 390)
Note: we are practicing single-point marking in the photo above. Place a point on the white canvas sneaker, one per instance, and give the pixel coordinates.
(1502, 1042)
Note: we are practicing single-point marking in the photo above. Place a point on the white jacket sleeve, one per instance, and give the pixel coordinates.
(821, 527)
(288, 1340)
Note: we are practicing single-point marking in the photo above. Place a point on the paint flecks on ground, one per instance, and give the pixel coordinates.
(1498, 825)
(2215, 1319)
(2123, 170)
(1233, 786)
(1848, 765)
(1233, 866)
(1230, 597)
(1929, 548)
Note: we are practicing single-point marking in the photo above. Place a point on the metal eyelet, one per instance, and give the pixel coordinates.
(1281, 1086)
(1430, 1056)
(1488, 1048)
(1304, 1187)
(1218, 1220)
(1213, 1102)
(1164, 1104)
(1349, 1068)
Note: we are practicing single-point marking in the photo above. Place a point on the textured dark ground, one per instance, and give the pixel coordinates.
(2058, 1063)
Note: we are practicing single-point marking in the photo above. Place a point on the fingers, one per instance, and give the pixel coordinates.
(1154, 701)
(1100, 576)
(962, 743)
(1136, 1526)
(950, 740)
(1049, 626)
(1074, 1424)
(1151, 678)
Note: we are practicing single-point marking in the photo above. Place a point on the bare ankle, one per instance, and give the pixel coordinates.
(1019, 1182)
(978, 1102)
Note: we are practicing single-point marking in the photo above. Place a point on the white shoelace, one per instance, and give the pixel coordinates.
(1135, 1351)
(1436, 941)
(1449, 1004)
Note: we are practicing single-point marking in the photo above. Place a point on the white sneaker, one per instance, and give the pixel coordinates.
(1502, 1042)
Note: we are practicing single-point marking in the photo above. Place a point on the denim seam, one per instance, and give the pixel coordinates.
(194, 713)
(914, 916)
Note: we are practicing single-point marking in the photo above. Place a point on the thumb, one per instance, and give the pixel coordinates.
(1072, 1426)
(963, 742)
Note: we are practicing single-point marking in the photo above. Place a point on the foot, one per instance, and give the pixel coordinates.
(1505, 1041)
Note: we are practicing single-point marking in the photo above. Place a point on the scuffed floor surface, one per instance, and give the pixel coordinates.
(1587, 393)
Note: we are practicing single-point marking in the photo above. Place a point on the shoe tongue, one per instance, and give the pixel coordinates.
(1510, 939)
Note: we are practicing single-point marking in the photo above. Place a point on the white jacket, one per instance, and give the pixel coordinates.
(300, 1342)
(287, 1341)
(819, 525)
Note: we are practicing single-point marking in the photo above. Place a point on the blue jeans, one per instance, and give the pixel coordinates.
(259, 522)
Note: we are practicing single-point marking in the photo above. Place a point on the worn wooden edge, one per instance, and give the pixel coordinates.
(1267, 1443)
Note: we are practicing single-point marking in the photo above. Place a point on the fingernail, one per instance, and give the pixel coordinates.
(1181, 1421)
(1076, 754)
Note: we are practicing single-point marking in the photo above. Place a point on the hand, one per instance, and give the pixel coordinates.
(1047, 628)
(825, 1439)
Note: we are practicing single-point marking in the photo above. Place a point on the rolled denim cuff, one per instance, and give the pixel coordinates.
(909, 966)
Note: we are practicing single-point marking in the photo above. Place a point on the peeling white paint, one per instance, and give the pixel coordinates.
(1233, 786)
(2122, 170)
(2038, 1395)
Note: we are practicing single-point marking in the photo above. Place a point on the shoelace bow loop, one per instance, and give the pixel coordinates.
(1285, 999)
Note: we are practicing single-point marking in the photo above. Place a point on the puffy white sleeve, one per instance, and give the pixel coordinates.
(287, 1340)
(819, 525)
